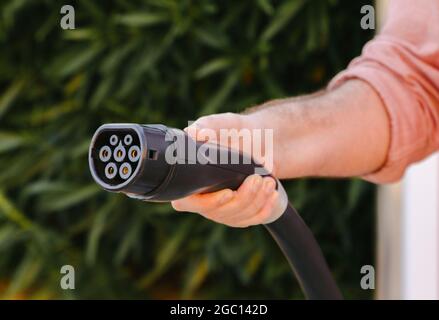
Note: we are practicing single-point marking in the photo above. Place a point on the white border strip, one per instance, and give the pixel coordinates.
(420, 229)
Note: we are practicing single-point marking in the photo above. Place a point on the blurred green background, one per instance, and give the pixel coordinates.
(160, 61)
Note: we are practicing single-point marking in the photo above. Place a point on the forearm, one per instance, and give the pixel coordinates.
(343, 132)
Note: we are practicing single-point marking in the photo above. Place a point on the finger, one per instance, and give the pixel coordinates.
(202, 134)
(210, 125)
(263, 215)
(222, 120)
(263, 194)
(242, 199)
(200, 203)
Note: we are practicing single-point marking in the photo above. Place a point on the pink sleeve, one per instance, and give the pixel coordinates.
(402, 65)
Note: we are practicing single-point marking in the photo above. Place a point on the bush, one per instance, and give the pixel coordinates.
(159, 61)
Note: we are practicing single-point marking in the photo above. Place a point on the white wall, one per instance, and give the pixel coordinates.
(420, 229)
(408, 234)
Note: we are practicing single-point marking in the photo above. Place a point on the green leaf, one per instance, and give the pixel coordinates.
(212, 38)
(221, 95)
(102, 91)
(10, 141)
(8, 97)
(266, 6)
(25, 275)
(80, 34)
(73, 61)
(45, 186)
(197, 275)
(129, 241)
(69, 199)
(97, 230)
(8, 210)
(355, 189)
(212, 67)
(287, 11)
(115, 58)
(140, 19)
(54, 112)
(9, 234)
(166, 254)
(11, 9)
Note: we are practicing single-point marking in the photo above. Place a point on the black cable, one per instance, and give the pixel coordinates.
(304, 256)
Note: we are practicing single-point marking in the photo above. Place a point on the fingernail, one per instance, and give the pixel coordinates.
(257, 181)
(227, 196)
(269, 185)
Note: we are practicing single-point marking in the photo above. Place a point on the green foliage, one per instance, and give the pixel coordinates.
(159, 61)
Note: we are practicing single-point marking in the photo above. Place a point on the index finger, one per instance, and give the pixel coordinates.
(202, 203)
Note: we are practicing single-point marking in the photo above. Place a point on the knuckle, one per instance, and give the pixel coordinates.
(204, 120)
(224, 197)
(236, 119)
(251, 191)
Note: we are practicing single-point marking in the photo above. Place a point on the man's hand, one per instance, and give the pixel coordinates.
(255, 202)
(342, 132)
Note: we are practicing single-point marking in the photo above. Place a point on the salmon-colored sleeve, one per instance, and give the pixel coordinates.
(402, 65)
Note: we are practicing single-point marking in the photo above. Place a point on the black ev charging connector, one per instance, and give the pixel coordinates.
(157, 163)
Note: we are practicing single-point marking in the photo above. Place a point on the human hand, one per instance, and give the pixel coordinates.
(255, 202)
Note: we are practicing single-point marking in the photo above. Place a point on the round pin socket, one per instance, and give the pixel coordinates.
(114, 140)
(110, 170)
(125, 170)
(134, 153)
(105, 153)
(119, 153)
(128, 139)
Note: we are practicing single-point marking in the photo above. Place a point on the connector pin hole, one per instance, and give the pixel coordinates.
(125, 170)
(119, 153)
(114, 140)
(128, 139)
(105, 153)
(110, 170)
(134, 153)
